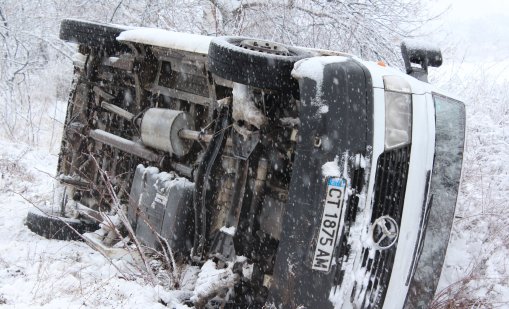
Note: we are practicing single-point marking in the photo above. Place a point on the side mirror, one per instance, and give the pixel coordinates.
(422, 54)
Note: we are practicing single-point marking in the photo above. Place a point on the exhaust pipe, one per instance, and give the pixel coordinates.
(125, 145)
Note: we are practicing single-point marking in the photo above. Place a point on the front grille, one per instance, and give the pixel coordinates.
(389, 196)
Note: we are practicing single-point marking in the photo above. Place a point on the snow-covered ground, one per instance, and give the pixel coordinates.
(40, 273)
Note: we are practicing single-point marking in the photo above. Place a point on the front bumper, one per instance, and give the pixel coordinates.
(344, 133)
(401, 184)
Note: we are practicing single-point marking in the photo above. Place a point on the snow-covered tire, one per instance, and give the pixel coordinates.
(52, 226)
(228, 58)
(92, 34)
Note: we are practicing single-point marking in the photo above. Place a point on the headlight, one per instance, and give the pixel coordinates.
(398, 112)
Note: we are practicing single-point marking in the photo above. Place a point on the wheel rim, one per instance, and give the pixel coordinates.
(265, 47)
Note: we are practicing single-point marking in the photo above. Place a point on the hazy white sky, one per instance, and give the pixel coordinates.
(480, 28)
(474, 8)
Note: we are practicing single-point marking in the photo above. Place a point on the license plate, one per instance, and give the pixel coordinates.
(329, 228)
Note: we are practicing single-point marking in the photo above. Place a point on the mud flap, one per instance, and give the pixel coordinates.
(346, 127)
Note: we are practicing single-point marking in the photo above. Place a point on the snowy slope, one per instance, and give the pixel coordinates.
(40, 273)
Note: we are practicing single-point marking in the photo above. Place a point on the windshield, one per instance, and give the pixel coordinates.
(439, 213)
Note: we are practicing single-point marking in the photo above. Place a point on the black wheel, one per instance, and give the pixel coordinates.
(254, 62)
(92, 34)
(52, 226)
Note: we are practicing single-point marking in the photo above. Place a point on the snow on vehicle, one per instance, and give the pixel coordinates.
(335, 179)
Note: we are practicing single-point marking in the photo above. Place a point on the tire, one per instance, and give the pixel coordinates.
(230, 59)
(55, 227)
(92, 34)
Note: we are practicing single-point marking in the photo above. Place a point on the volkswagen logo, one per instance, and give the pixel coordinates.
(384, 232)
